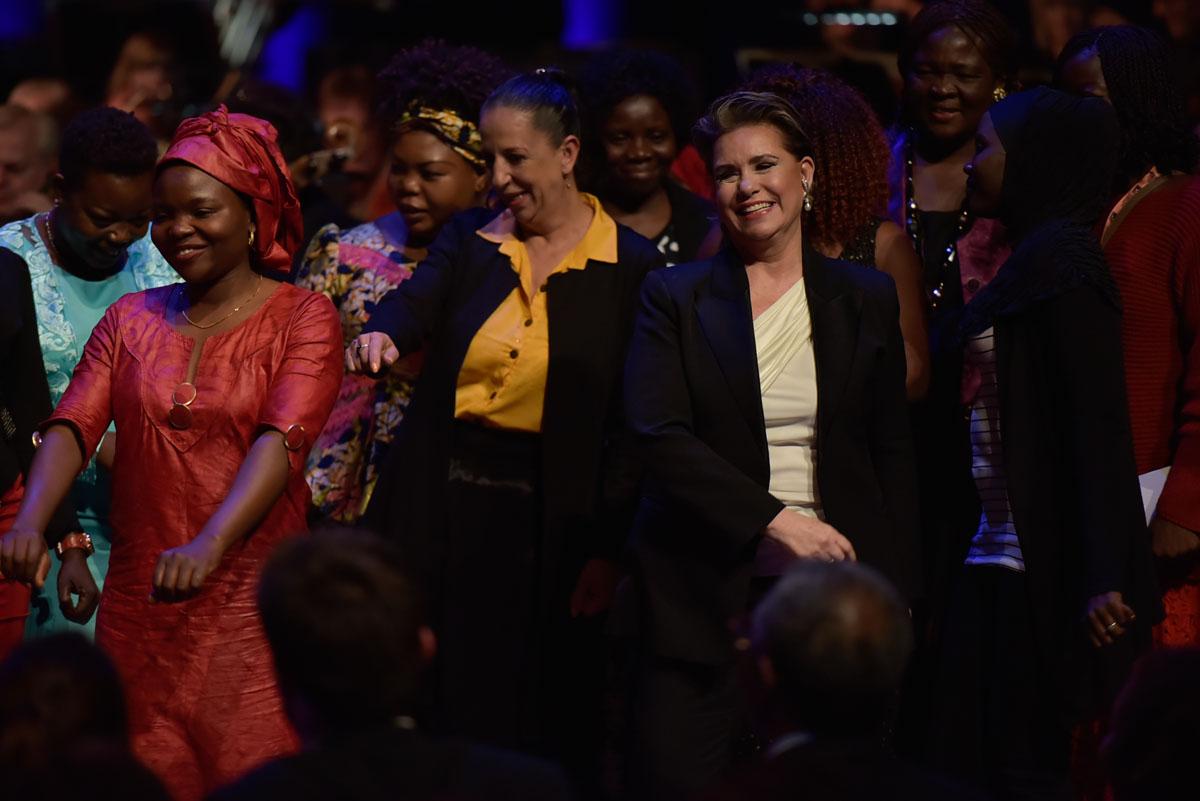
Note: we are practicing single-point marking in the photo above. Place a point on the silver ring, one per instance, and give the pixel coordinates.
(360, 345)
(1111, 626)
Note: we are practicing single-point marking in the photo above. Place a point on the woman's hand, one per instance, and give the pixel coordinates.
(1170, 541)
(75, 578)
(809, 538)
(181, 571)
(24, 556)
(1107, 617)
(596, 587)
(370, 353)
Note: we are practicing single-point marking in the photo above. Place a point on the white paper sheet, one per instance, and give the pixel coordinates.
(1152, 484)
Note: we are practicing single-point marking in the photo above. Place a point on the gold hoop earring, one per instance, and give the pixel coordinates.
(998, 94)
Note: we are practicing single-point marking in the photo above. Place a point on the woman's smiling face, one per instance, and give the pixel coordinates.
(201, 226)
(760, 184)
(529, 172)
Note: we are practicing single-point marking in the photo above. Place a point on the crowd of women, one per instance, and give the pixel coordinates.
(595, 407)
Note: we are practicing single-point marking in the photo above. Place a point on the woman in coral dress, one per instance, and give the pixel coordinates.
(218, 387)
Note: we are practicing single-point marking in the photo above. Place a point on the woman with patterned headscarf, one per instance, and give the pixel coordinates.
(218, 386)
(433, 95)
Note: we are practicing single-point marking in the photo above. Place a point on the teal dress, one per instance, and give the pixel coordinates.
(68, 308)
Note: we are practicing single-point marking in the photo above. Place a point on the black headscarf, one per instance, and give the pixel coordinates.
(1061, 151)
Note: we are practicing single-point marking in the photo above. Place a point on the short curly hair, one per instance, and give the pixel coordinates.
(438, 75)
(849, 146)
(979, 20)
(612, 77)
(105, 140)
(1146, 95)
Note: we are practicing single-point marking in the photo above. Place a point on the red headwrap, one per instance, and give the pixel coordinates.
(240, 152)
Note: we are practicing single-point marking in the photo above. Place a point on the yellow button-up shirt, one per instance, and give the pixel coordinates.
(502, 381)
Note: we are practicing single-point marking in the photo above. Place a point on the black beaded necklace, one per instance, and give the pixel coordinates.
(912, 223)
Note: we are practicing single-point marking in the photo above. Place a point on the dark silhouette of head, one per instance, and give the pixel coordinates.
(1155, 725)
(53, 691)
(833, 641)
(347, 631)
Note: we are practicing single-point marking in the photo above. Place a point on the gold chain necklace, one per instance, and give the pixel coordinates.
(234, 311)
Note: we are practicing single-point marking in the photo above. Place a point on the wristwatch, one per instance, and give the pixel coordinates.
(76, 539)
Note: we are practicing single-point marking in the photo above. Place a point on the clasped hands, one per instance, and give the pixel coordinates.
(25, 557)
(1107, 613)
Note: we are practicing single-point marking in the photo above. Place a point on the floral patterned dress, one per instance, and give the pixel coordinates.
(355, 269)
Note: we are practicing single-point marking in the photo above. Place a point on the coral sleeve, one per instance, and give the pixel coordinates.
(303, 390)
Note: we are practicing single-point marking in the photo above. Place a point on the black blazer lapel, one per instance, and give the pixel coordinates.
(726, 320)
(496, 281)
(835, 307)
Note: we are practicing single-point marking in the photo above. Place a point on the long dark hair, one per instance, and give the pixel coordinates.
(1145, 93)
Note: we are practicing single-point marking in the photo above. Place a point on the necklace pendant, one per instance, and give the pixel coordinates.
(180, 417)
(182, 397)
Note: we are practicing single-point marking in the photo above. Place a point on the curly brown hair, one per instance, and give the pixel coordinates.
(849, 146)
(444, 76)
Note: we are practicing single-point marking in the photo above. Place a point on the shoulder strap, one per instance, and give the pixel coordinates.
(1132, 199)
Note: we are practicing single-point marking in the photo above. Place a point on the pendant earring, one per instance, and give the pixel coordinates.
(808, 204)
(251, 242)
(998, 94)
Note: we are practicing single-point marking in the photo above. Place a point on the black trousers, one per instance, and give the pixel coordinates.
(686, 723)
(998, 717)
(691, 722)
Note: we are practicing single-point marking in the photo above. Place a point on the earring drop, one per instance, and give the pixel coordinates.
(251, 242)
(808, 205)
(998, 94)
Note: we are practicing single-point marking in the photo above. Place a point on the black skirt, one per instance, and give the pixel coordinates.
(487, 606)
(514, 668)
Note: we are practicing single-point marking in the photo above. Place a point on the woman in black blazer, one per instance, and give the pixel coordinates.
(743, 369)
(509, 485)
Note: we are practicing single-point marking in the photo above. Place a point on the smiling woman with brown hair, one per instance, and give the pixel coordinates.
(845, 219)
(765, 387)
